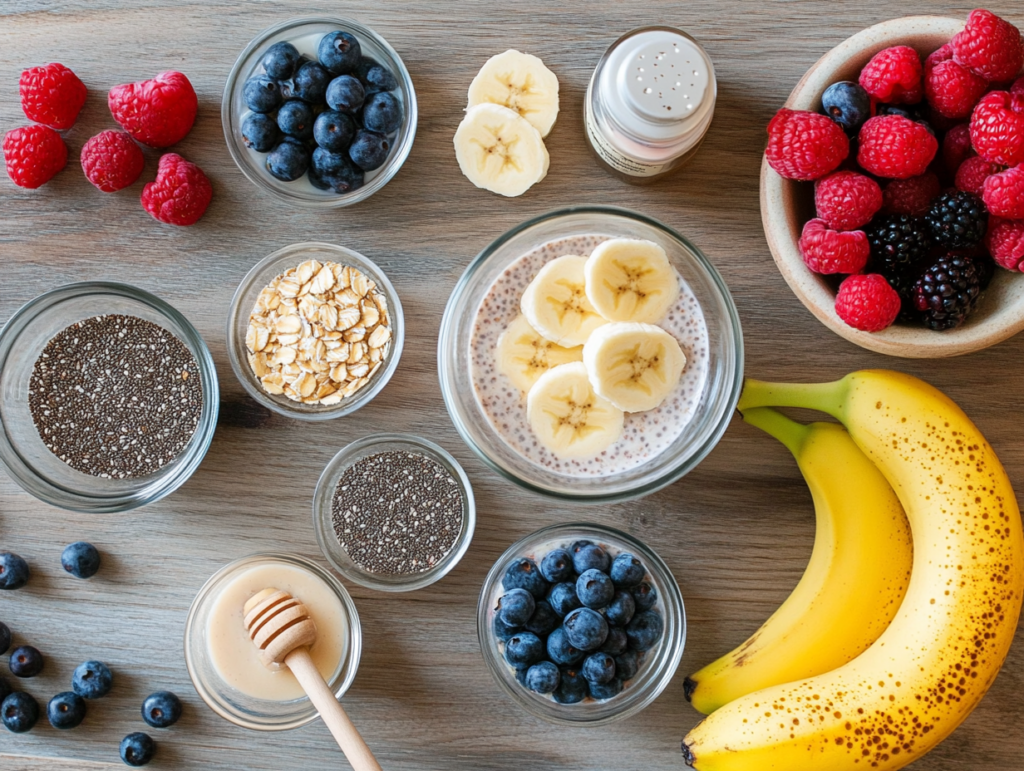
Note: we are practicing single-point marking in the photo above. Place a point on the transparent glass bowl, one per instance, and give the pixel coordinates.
(240, 708)
(305, 33)
(265, 271)
(323, 515)
(659, 664)
(28, 461)
(721, 387)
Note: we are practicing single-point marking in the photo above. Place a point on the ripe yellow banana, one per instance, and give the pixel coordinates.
(854, 582)
(930, 668)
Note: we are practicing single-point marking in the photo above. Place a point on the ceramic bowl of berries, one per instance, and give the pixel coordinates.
(892, 190)
(319, 112)
(581, 624)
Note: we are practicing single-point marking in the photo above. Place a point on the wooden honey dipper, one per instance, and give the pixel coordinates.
(283, 630)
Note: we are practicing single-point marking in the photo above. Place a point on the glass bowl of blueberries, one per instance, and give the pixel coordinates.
(319, 111)
(581, 624)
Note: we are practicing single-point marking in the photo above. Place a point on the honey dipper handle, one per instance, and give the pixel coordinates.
(337, 720)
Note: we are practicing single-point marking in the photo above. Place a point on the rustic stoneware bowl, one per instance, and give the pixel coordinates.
(786, 205)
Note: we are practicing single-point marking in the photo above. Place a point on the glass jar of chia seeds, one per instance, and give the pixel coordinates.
(649, 103)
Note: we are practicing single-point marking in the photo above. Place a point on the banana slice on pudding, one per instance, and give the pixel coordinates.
(568, 416)
(499, 150)
(634, 366)
(524, 354)
(556, 305)
(520, 82)
(631, 280)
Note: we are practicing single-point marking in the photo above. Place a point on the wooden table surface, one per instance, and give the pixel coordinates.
(736, 532)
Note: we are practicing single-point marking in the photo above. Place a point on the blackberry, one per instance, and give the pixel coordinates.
(947, 292)
(899, 245)
(957, 220)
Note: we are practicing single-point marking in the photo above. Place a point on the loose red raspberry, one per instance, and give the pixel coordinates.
(831, 251)
(805, 145)
(1003, 193)
(52, 95)
(111, 160)
(1018, 86)
(34, 154)
(990, 46)
(973, 172)
(951, 89)
(997, 128)
(895, 147)
(157, 112)
(894, 76)
(956, 147)
(180, 193)
(910, 196)
(847, 200)
(867, 302)
(1005, 242)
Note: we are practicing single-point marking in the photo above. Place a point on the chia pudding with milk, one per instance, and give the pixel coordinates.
(645, 435)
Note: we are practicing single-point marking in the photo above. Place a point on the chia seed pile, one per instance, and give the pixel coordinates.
(115, 396)
(397, 513)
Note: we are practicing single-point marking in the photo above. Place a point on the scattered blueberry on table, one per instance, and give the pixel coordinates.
(19, 712)
(137, 749)
(92, 680)
(66, 710)
(161, 709)
(80, 559)
(14, 571)
(5, 638)
(26, 661)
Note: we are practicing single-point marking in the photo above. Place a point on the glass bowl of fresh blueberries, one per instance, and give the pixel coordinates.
(319, 111)
(581, 624)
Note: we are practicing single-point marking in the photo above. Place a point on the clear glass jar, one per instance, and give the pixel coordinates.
(649, 103)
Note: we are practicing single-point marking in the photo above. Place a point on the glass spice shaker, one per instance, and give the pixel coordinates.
(649, 103)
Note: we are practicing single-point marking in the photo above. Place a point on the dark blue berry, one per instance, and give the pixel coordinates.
(502, 630)
(561, 651)
(557, 566)
(523, 649)
(543, 677)
(161, 709)
(591, 557)
(523, 573)
(576, 546)
(383, 112)
(334, 130)
(617, 641)
(5, 689)
(280, 61)
(288, 161)
(572, 687)
(521, 676)
(66, 710)
(645, 630)
(544, 620)
(369, 150)
(586, 629)
(260, 132)
(334, 172)
(19, 712)
(5, 638)
(627, 664)
(295, 118)
(339, 52)
(262, 94)
(848, 104)
(92, 680)
(599, 668)
(374, 77)
(345, 94)
(26, 661)
(14, 571)
(516, 607)
(645, 596)
(137, 749)
(627, 571)
(602, 691)
(621, 609)
(80, 559)
(310, 83)
(563, 599)
(595, 589)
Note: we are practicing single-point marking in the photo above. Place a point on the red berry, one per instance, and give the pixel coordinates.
(180, 193)
(1005, 242)
(990, 46)
(157, 112)
(956, 147)
(895, 147)
(831, 251)
(910, 196)
(867, 302)
(34, 154)
(1003, 193)
(952, 89)
(847, 200)
(1018, 86)
(52, 95)
(973, 172)
(111, 160)
(805, 145)
(893, 76)
(997, 128)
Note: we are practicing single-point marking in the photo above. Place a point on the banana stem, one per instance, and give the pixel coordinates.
(774, 423)
(826, 397)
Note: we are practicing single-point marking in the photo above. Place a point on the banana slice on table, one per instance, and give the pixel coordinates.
(631, 280)
(500, 151)
(556, 305)
(524, 354)
(520, 82)
(634, 366)
(568, 416)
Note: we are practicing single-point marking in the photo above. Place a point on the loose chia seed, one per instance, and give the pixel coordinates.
(397, 512)
(115, 396)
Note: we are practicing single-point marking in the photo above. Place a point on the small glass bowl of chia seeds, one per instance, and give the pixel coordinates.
(108, 397)
(393, 512)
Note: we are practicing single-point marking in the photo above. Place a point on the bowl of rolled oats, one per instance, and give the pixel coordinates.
(315, 331)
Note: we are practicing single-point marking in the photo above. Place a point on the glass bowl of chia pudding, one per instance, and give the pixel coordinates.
(656, 447)
(393, 512)
(108, 397)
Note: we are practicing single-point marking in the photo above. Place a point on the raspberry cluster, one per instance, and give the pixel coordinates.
(914, 219)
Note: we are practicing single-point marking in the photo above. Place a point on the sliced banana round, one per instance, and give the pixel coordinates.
(631, 280)
(524, 354)
(556, 305)
(520, 82)
(634, 366)
(568, 416)
(500, 151)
